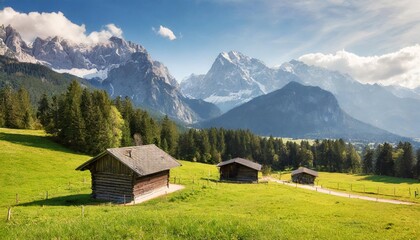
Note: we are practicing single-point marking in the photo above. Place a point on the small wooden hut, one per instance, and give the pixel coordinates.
(304, 175)
(123, 174)
(239, 170)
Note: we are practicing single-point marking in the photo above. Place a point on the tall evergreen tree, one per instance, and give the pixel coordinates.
(25, 108)
(384, 163)
(73, 124)
(169, 136)
(407, 161)
(417, 169)
(44, 111)
(367, 163)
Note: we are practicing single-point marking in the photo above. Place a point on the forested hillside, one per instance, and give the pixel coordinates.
(89, 122)
(37, 79)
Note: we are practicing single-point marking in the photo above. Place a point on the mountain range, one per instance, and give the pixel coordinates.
(301, 112)
(124, 68)
(234, 79)
(121, 67)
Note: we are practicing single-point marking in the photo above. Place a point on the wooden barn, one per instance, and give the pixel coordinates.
(123, 174)
(304, 175)
(239, 170)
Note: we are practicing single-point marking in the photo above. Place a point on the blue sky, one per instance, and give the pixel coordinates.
(273, 31)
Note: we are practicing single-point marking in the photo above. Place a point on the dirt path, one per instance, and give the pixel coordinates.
(339, 194)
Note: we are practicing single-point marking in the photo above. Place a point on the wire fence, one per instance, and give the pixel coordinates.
(406, 192)
(368, 189)
(72, 187)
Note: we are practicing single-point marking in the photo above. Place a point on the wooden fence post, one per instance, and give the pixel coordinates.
(17, 198)
(9, 214)
(409, 191)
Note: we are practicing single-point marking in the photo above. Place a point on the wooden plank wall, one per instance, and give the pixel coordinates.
(238, 172)
(111, 180)
(247, 174)
(113, 187)
(303, 178)
(151, 182)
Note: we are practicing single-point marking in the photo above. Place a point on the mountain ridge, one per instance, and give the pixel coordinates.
(298, 111)
(372, 104)
(121, 67)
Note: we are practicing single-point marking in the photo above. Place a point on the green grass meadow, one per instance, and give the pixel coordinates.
(31, 165)
(369, 185)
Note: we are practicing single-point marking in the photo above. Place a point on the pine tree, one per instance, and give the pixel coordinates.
(88, 115)
(407, 161)
(384, 163)
(417, 169)
(367, 164)
(25, 108)
(169, 136)
(44, 111)
(71, 120)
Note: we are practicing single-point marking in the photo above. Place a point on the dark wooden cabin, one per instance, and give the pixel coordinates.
(123, 174)
(304, 175)
(239, 170)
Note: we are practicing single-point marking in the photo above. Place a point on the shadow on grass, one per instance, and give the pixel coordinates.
(71, 200)
(33, 141)
(387, 179)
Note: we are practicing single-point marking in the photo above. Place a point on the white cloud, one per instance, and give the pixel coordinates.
(35, 24)
(397, 68)
(165, 32)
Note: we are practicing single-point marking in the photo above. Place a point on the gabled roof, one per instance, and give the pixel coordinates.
(305, 170)
(143, 160)
(241, 161)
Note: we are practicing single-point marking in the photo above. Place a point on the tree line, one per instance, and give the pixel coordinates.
(89, 122)
(15, 109)
(398, 161)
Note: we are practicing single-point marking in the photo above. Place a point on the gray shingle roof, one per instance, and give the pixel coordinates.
(143, 160)
(305, 170)
(241, 161)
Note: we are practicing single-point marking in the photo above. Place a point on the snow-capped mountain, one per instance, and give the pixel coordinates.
(64, 56)
(12, 45)
(149, 84)
(372, 104)
(230, 81)
(121, 67)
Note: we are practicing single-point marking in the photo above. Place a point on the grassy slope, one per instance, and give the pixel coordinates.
(370, 185)
(31, 164)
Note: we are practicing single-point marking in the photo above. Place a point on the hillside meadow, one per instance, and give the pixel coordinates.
(403, 189)
(35, 168)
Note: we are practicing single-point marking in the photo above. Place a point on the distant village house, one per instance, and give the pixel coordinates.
(304, 175)
(239, 170)
(125, 174)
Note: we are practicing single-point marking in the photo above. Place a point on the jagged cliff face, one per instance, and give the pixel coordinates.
(12, 45)
(121, 67)
(233, 79)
